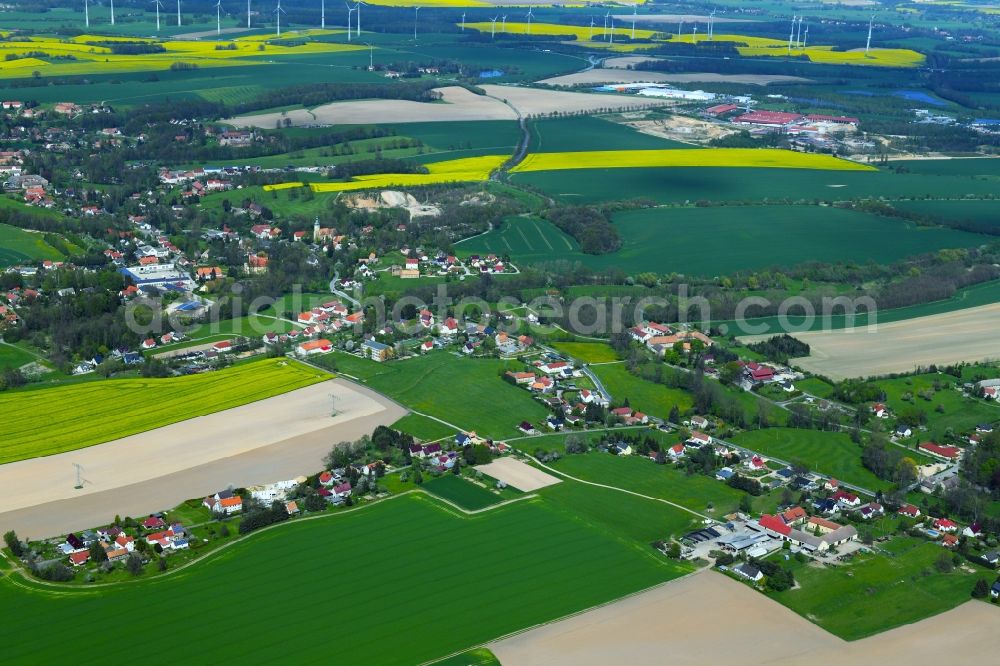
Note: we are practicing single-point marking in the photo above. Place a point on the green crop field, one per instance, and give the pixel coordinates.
(654, 399)
(641, 475)
(18, 246)
(677, 185)
(466, 392)
(723, 240)
(953, 167)
(975, 215)
(588, 352)
(13, 357)
(526, 239)
(464, 493)
(874, 593)
(830, 453)
(556, 135)
(968, 297)
(45, 421)
(423, 428)
(545, 552)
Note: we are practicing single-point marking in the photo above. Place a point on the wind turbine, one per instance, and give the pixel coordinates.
(416, 13)
(79, 477)
(798, 33)
(218, 17)
(357, 8)
(604, 33)
(711, 26)
(371, 57)
(158, 5)
(868, 44)
(178, 13)
(791, 35)
(590, 37)
(463, 21)
(805, 37)
(529, 20)
(350, 11)
(611, 33)
(503, 23)
(680, 27)
(86, 13)
(278, 11)
(635, 7)
(112, 12)
(322, 14)
(248, 14)
(493, 27)
(694, 34)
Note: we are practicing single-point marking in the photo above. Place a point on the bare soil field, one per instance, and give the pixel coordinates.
(532, 101)
(900, 346)
(520, 475)
(269, 440)
(612, 75)
(625, 62)
(708, 618)
(456, 104)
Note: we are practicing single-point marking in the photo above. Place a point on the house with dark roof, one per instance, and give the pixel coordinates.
(749, 571)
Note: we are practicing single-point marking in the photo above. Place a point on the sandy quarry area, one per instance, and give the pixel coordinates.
(900, 346)
(708, 618)
(520, 475)
(682, 128)
(457, 104)
(269, 440)
(613, 75)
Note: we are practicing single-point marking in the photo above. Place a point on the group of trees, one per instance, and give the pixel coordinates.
(780, 348)
(590, 226)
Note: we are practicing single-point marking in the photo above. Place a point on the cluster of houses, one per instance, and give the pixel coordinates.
(117, 544)
(659, 338)
(417, 262)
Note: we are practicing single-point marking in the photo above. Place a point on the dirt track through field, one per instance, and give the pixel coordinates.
(900, 346)
(708, 618)
(269, 440)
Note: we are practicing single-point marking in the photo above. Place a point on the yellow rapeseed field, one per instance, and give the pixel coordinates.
(686, 157)
(465, 170)
(581, 32)
(79, 55)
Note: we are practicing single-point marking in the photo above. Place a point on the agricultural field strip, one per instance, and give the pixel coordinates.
(747, 45)
(92, 58)
(686, 157)
(92, 413)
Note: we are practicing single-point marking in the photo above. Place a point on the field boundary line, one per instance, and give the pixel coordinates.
(28, 581)
(568, 616)
(623, 490)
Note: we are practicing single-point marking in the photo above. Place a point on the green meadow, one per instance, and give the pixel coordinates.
(18, 246)
(873, 593)
(829, 453)
(466, 392)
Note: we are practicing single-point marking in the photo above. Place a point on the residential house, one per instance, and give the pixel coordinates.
(846, 499)
(749, 571)
(376, 351)
(909, 510)
(944, 525)
(224, 502)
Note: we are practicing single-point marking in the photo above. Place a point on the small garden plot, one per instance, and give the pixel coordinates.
(457, 490)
